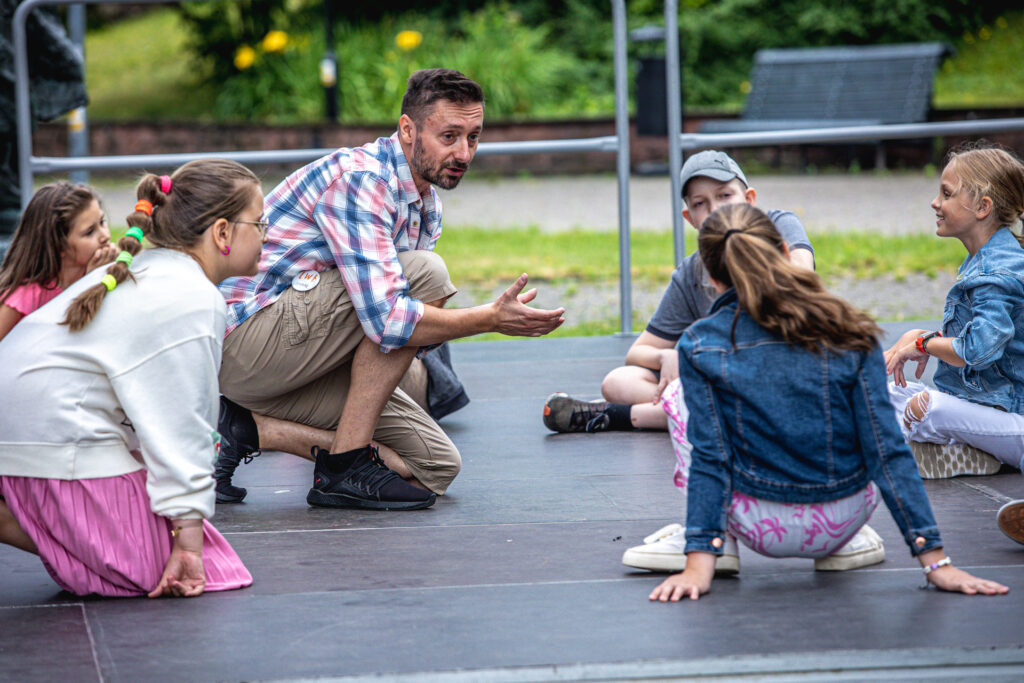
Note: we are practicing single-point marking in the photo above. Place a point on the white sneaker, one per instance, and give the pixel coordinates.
(864, 549)
(662, 551)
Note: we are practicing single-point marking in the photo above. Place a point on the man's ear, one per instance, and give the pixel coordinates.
(406, 129)
(751, 196)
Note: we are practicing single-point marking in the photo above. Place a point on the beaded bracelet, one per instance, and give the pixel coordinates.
(935, 565)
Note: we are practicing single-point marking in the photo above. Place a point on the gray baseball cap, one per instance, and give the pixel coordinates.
(711, 164)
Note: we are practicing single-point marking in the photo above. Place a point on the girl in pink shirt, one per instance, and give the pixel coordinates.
(63, 235)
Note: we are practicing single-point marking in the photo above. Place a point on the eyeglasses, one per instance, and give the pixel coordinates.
(262, 224)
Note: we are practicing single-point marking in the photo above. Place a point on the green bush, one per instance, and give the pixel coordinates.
(534, 58)
(520, 69)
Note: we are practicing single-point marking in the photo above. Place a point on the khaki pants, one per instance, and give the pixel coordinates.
(292, 360)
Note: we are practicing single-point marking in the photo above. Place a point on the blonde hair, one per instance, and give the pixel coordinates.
(983, 170)
(201, 192)
(741, 247)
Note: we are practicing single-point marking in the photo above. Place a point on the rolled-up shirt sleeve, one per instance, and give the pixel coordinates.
(984, 338)
(356, 216)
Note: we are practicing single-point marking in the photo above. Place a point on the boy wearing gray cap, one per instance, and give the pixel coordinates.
(632, 393)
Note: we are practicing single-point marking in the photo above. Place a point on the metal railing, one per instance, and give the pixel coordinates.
(618, 144)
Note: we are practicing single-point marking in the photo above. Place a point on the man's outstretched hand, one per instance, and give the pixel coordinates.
(513, 317)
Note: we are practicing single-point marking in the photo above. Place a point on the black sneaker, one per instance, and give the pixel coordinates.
(563, 413)
(239, 442)
(360, 479)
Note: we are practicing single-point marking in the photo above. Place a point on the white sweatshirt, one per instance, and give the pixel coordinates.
(141, 377)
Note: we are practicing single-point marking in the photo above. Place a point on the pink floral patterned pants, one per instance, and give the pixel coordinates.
(769, 527)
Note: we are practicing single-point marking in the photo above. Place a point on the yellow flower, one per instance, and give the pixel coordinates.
(275, 41)
(745, 87)
(408, 40)
(244, 57)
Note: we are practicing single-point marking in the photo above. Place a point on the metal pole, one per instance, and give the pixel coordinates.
(22, 109)
(675, 124)
(78, 121)
(622, 166)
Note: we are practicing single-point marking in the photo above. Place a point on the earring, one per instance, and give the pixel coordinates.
(226, 250)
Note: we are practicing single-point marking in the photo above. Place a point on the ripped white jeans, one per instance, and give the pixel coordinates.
(948, 420)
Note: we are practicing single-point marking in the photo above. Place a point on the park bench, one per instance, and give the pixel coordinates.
(828, 87)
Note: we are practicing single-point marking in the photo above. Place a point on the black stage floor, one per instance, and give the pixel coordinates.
(516, 575)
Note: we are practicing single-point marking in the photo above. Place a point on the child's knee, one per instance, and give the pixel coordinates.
(917, 409)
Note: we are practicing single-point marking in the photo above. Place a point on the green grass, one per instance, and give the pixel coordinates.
(489, 259)
(486, 257)
(140, 68)
(986, 70)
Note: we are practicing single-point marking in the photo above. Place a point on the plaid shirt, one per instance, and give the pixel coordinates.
(354, 209)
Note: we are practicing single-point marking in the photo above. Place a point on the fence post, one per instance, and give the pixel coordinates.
(675, 124)
(622, 166)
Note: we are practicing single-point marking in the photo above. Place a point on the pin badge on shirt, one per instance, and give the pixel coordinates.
(306, 280)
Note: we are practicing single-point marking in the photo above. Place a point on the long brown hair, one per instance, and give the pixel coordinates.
(38, 244)
(200, 193)
(988, 171)
(741, 248)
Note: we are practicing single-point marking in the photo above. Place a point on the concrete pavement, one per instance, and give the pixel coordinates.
(896, 203)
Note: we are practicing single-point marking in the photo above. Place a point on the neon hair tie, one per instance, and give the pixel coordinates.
(110, 281)
(135, 233)
(124, 257)
(165, 184)
(145, 206)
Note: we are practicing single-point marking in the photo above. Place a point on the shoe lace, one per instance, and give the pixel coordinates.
(591, 416)
(373, 474)
(248, 457)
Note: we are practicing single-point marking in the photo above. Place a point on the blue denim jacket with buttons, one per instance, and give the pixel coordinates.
(984, 316)
(780, 423)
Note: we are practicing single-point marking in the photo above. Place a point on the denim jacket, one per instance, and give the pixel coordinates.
(984, 316)
(777, 422)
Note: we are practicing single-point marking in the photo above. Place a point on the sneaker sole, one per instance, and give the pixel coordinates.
(940, 461)
(549, 422)
(319, 498)
(842, 563)
(675, 562)
(1011, 520)
(223, 497)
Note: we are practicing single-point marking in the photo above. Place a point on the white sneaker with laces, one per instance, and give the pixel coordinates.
(662, 551)
(864, 549)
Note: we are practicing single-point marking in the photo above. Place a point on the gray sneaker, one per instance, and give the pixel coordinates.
(563, 413)
(941, 461)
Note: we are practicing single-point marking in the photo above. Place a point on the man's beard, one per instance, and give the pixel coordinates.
(435, 175)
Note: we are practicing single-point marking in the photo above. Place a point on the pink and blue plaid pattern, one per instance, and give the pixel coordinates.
(354, 210)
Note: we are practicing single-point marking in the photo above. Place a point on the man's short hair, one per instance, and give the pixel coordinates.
(427, 86)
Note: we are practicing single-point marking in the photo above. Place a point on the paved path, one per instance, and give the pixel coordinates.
(896, 203)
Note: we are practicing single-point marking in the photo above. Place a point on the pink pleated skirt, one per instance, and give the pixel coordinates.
(100, 536)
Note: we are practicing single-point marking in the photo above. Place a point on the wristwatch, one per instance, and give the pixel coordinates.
(922, 341)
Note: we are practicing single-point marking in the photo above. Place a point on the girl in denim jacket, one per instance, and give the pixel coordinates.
(797, 437)
(979, 395)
